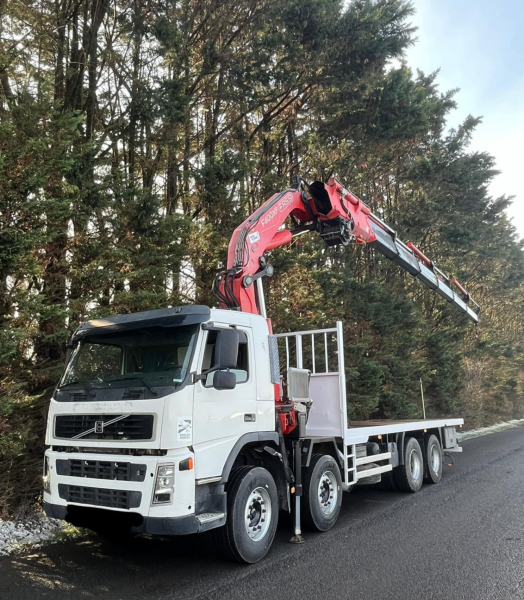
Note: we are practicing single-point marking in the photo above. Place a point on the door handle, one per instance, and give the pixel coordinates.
(250, 417)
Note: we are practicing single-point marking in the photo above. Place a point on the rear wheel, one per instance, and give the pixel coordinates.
(252, 515)
(433, 460)
(409, 476)
(322, 493)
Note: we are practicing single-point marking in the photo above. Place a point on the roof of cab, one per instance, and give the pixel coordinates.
(163, 317)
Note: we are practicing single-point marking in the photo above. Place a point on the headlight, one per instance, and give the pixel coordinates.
(164, 484)
(47, 476)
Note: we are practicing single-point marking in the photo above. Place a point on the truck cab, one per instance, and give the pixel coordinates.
(148, 420)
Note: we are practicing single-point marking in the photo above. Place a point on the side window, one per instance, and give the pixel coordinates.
(241, 369)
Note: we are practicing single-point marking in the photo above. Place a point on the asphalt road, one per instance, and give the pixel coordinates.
(463, 538)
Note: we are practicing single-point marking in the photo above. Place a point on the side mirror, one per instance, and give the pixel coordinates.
(224, 380)
(226, 349)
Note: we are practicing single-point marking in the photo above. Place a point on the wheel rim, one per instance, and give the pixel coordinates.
(435, 459)
(327, 492)
(415, 465)
(258, 513)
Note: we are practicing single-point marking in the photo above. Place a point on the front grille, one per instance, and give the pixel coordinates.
(101, 469)
(99, 496)
(101, 427)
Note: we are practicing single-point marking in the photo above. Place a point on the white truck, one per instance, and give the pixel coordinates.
(185, 419)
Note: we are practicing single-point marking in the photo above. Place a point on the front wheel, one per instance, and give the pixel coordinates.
(322, 493)
(252, 515)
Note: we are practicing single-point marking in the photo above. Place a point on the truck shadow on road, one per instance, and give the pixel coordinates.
(93, 566)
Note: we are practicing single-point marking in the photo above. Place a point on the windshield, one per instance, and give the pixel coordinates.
(154, 356)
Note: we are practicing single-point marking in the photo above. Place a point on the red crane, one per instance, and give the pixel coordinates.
(339, 217)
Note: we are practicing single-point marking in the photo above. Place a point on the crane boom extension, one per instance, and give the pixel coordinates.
(339, 217)
(415, 263)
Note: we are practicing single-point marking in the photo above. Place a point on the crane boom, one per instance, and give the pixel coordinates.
(339, 217)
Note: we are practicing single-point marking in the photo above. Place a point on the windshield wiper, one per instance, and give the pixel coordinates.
(141, 379)
(87, 385)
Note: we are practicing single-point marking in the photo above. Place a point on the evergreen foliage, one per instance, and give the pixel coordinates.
(135, 136)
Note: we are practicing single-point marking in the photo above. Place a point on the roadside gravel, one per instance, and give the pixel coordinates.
(33, 531)
(466, 435)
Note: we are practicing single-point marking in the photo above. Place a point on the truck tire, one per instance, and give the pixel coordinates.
(433, 470)
(252, 515)
(409, 476)
(322, 493)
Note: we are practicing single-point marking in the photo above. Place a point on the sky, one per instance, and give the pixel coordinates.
(478, 45)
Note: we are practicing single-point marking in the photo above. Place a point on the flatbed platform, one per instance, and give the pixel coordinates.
(359, 431)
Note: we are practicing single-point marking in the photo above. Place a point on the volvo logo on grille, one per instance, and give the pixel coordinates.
(99, 427)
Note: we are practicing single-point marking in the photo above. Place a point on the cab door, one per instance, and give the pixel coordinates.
(221, 417)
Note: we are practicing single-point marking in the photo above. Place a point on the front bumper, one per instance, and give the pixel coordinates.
(151, 525)
(95, 492)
